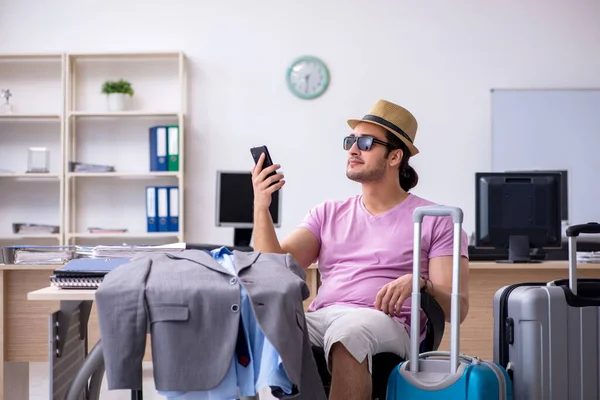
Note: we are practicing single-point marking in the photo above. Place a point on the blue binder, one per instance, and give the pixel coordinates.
(162, 208)
(173, 194)
(158, 148)
(151, 209)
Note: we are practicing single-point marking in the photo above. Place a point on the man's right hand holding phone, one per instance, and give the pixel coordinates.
(263, 186)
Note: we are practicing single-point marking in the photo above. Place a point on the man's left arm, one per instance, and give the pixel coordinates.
(440, 285)
(392, 296)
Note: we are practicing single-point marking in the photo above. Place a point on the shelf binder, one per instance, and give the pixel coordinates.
(162, 208)
(173, 150)
(162, 196)
(158, 148)
(173, 208)
(151, 209)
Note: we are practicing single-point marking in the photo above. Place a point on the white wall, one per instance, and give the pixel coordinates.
(438, 58)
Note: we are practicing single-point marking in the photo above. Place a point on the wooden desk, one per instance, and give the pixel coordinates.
(24, 323)
(24, 326)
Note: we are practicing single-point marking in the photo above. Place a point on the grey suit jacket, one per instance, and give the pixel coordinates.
(190, 305)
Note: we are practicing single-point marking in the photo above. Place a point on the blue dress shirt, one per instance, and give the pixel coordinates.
(265, 367)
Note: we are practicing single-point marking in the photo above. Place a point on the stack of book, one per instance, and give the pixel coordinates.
(84, 273)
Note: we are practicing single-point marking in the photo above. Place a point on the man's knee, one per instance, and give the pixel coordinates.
(341, 355)
(365, 332)
(349, 343)
(339, 350)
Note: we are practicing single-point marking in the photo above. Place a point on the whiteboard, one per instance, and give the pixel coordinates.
(555, 129)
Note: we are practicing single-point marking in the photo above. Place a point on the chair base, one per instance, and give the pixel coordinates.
(383, 365)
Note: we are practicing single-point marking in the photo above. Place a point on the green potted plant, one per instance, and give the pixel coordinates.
(115, 92)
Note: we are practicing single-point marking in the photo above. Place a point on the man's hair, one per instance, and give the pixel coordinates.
(407, 174)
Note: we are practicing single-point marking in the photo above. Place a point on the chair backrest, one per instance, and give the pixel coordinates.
(436, 322)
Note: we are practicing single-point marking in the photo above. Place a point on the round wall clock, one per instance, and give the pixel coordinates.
(307, 77)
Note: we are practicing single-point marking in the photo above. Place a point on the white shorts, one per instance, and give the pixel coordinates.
(364, 332)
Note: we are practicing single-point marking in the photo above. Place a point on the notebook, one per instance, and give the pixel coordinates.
(67, 282)
(84, 273)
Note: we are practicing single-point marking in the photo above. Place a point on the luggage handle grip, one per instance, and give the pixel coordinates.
(438, 211)
(572, 233)
(590, 227)
(446, 354)
(457, 217)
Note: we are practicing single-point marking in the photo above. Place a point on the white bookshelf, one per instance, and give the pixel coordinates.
(58, 104)
(116, 200)
(36, 82)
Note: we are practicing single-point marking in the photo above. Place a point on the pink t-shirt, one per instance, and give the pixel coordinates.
(361, 252)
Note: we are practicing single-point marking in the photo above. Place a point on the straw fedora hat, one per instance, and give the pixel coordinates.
(395, 119)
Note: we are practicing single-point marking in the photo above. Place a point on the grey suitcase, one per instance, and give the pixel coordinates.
(547, 334)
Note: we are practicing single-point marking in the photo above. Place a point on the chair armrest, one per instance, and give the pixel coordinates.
(436, 321)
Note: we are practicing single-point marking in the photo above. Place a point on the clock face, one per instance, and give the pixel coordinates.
(307, 77)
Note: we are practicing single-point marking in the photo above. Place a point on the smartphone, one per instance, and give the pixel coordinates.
(267, 162)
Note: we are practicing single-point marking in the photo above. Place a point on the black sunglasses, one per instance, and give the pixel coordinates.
(364, 143)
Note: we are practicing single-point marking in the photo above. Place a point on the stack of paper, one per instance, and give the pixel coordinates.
(588, 257)
(38, 255)
(25, 228)
(86, 167)
(133, 250)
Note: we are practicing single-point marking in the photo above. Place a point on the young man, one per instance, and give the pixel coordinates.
(364, 249)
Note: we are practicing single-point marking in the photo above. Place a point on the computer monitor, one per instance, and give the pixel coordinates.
(564, 190)
(519, 211)
(235, 205)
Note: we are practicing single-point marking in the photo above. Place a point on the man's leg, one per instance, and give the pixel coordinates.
(349, 378)
(315, 323)
(351, 341)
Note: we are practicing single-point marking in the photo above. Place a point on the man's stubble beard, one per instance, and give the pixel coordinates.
(375, 174)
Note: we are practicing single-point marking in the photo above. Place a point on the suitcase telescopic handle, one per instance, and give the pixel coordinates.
(457, 218)
(590, 227)
(573, 232)
(438, 211)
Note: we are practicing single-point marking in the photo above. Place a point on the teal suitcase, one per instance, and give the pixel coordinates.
(444, 375)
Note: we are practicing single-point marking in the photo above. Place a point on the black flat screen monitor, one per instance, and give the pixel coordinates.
(519, 211)
(235, 205)
(564, 191)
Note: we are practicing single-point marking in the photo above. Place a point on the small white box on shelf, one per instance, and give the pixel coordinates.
(38, 160)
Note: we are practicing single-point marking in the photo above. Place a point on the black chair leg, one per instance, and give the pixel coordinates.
(137, 395)
(79, 385)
